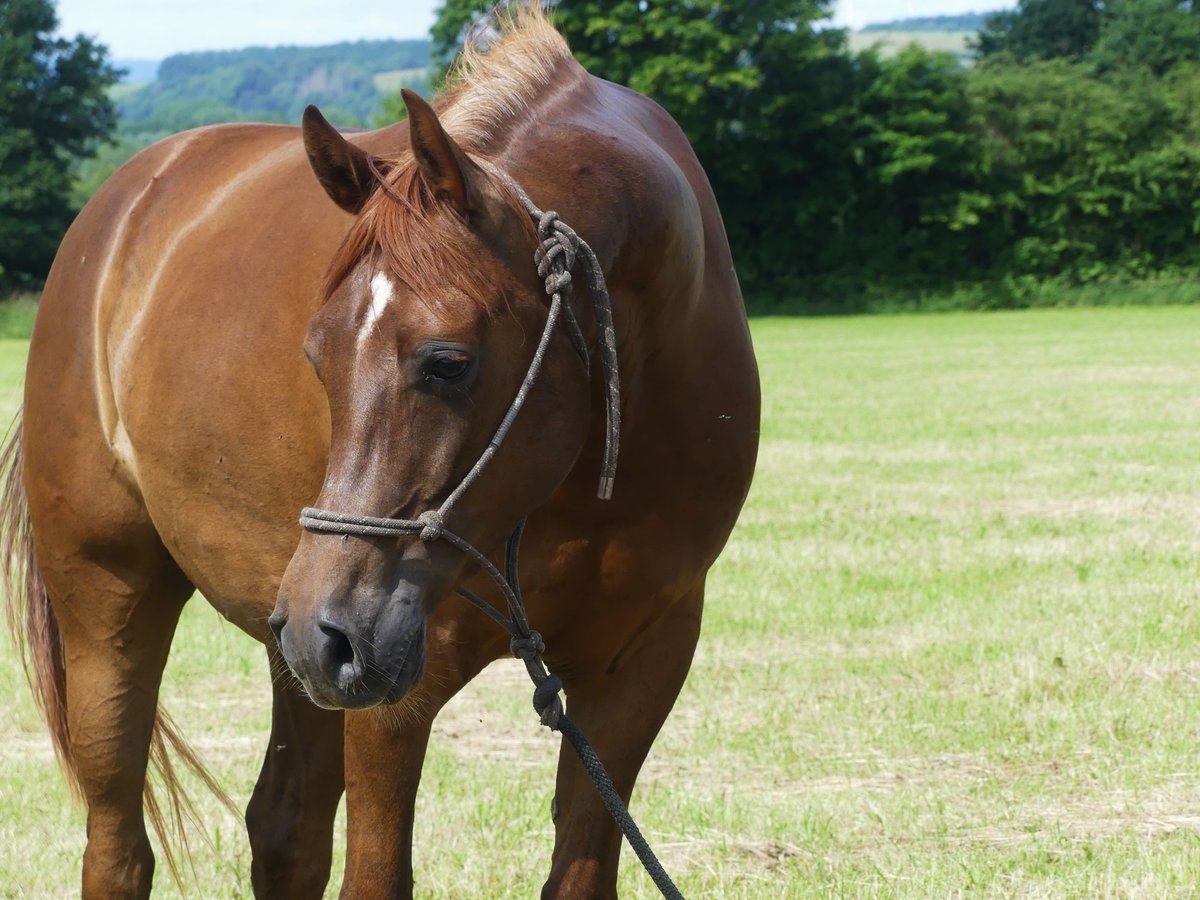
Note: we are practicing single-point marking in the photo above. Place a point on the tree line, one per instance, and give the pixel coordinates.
(1068, 154)
(268, 84)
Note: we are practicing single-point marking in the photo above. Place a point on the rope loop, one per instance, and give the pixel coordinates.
(557, 249)
(547, 703)
(546, 222)
(433, 524)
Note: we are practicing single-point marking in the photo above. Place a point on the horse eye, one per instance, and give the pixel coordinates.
(448, 365)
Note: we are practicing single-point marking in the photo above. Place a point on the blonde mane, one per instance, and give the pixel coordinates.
(502, 67)
(501, 70)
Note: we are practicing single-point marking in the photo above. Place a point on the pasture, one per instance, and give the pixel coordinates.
(891, 42)
(952, 648)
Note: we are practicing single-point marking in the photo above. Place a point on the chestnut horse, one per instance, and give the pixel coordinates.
(173, 428)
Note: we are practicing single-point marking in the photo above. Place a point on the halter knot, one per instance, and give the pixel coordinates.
(528, 647)
(556, 253)
(434, 525)
(556, 282)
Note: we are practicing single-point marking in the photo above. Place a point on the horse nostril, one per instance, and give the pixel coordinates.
(338, 658)
(276, 623)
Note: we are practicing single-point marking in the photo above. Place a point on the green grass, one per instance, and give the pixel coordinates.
(391, 82)
(17, 314)
(1163, 289)
(951, 649)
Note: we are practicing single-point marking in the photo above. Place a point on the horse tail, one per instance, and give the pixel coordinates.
(178, 817)
(31, 620)
(34, 629)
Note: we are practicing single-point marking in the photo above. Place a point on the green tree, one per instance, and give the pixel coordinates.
(1153, 34)
(920, 207)
(53, 108)
(1090, 178)
(761, 93)
(1041, 29)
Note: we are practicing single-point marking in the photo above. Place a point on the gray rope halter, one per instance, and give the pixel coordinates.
(554, 257)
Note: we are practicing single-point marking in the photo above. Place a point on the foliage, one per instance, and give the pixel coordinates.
(848, 176)
(391, 107)
(1152, 34)
(1087, 177)
(1042, 29)
(53, 107)
(1069, 156)
(765, 97)
(258, 84)
(269, 84)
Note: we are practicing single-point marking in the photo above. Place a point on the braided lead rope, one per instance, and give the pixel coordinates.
(560, 245)
(535, 367)
(433, 521)
(528, 646)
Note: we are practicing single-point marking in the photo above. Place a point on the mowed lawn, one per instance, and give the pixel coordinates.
(952, 649)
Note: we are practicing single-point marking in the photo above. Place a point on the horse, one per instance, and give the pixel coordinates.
(225, 339)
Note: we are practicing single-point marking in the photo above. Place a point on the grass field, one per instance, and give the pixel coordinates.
(891, 42)
(391, 82)
(951, 650)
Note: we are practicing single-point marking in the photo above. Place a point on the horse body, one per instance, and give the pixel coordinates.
(173, 429)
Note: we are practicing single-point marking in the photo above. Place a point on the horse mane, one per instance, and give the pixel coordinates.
(498, 75)
(502, 68)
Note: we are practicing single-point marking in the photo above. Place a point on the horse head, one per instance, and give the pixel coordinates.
(433, 311)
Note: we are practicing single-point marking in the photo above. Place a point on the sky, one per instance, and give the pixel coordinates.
(153, 29)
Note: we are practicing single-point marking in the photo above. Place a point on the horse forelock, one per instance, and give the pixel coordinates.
(416, 238)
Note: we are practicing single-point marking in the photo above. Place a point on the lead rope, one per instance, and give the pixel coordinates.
(555, 257)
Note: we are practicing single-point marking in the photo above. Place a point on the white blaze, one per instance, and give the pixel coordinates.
(381, 296)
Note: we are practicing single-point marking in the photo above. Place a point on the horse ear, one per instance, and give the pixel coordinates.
(340, 166)
(443, 164)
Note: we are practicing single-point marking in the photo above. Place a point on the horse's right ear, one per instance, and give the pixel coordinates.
(340, 166)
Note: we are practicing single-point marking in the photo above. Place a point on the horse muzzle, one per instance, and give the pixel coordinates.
(348, 661)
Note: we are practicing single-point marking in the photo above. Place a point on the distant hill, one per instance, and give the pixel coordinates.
(138, 71)
(971, 21)
(274, 84)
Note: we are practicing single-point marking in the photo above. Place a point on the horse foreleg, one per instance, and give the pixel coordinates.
(620, 711)
(290, 815)
(385, 749)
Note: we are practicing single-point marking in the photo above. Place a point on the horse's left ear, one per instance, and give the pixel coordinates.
(443, 164)
(340, 166)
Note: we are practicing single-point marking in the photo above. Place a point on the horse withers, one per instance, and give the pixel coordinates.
(219, 345)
